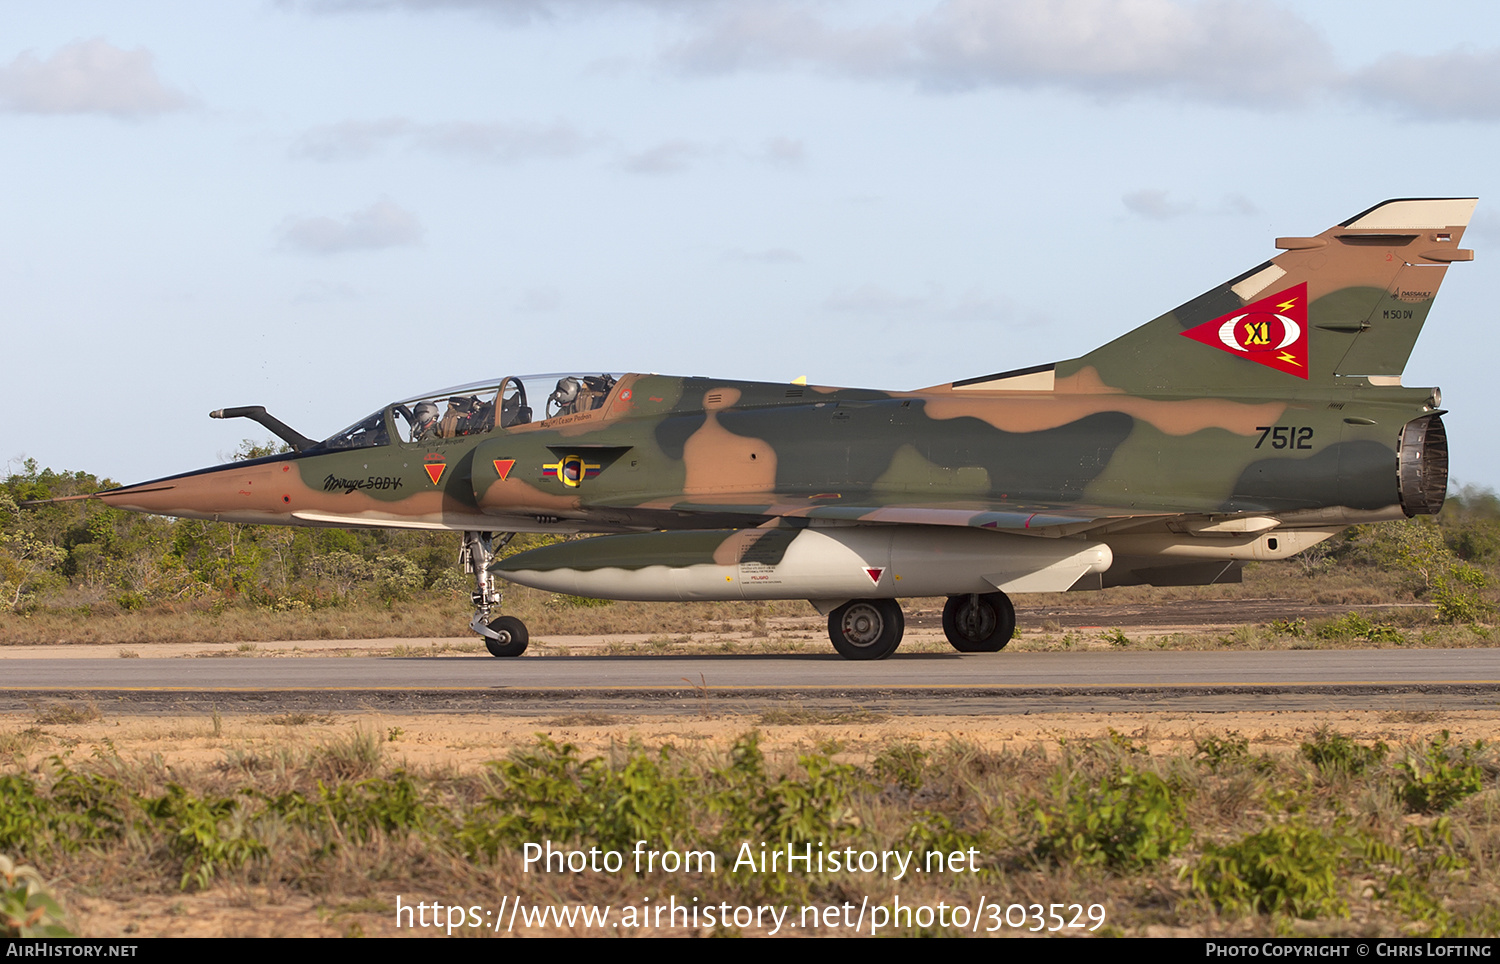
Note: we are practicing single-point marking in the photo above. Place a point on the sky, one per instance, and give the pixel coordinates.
(323, 205)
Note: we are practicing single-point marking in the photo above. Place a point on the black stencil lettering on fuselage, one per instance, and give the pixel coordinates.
(333, 483)
(770, 548)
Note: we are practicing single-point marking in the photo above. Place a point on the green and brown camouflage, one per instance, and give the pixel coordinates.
(1249, 423)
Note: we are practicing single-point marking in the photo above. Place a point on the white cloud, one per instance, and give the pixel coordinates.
(785, 151)
(1463, 83)
(1223, 50)
(317, 291)
(89, 77)
(494, 142)
(1258, 53)
(1158, 205)
(512, 11)
(774, 34)
(1239, 204)
(381, 225)
(1235, 51)
(873, 299)
(1153, 203)
(504, 143)
(350, 140)
(669, 157)
(508, 12)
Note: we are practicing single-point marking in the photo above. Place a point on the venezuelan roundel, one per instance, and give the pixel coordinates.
(1270, 332)
(571, 470)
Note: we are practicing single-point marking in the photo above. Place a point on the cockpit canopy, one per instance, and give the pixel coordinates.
(476, 408)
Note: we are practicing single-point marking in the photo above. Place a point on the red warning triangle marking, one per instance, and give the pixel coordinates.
(503, 467)
(435, 470)
(875, 575)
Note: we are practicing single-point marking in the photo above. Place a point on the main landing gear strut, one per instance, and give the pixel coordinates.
(504, 635)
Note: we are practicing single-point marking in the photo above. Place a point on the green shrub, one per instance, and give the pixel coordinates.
(1476, 541)
(935, 833)
(25, 817)
(1335, 754)
(548, 793)
(397, 578)
(1386, 634)
(27, 909)
(1126, 820)
(1215, 752)
(812, 810)
(1456, 594)
(355, 811)
(901, 764)
(1438, 776)
(80, 807)
(1288, 868)
(1355, 626)
(208, 834)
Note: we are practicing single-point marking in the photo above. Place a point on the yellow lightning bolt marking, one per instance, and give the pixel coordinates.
(1286, 305)
(1286, 356)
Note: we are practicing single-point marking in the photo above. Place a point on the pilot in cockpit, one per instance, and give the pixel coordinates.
(424, 421)
(575, 395)
(565, 397)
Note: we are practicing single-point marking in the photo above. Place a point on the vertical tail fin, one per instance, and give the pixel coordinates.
(1348, 302)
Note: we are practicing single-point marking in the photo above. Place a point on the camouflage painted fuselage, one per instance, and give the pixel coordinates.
(1276, 421)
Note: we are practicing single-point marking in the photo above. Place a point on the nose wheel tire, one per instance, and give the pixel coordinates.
(979, 622)
(866, 628)
(513, 637)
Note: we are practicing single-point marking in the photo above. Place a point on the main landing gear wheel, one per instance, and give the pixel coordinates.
(510, 637)
(979, 622)
(866, 628)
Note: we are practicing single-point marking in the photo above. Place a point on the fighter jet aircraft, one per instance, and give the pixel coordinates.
(1251, 422)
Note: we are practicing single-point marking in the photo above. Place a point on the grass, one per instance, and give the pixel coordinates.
(299, 719)
(1371, 607)
(798, 716)
(1212, 838)
(61, 714)
(587, 719)
(439, 614)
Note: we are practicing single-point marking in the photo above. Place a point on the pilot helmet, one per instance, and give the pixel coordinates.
(567, 390)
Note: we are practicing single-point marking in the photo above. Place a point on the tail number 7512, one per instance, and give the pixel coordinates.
(1285, 436)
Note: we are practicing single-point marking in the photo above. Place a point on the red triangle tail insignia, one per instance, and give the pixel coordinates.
(1270, 332)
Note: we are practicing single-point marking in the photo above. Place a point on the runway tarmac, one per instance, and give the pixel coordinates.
(927, 683)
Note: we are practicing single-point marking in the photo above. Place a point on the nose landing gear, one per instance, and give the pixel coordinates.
(504, 635)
